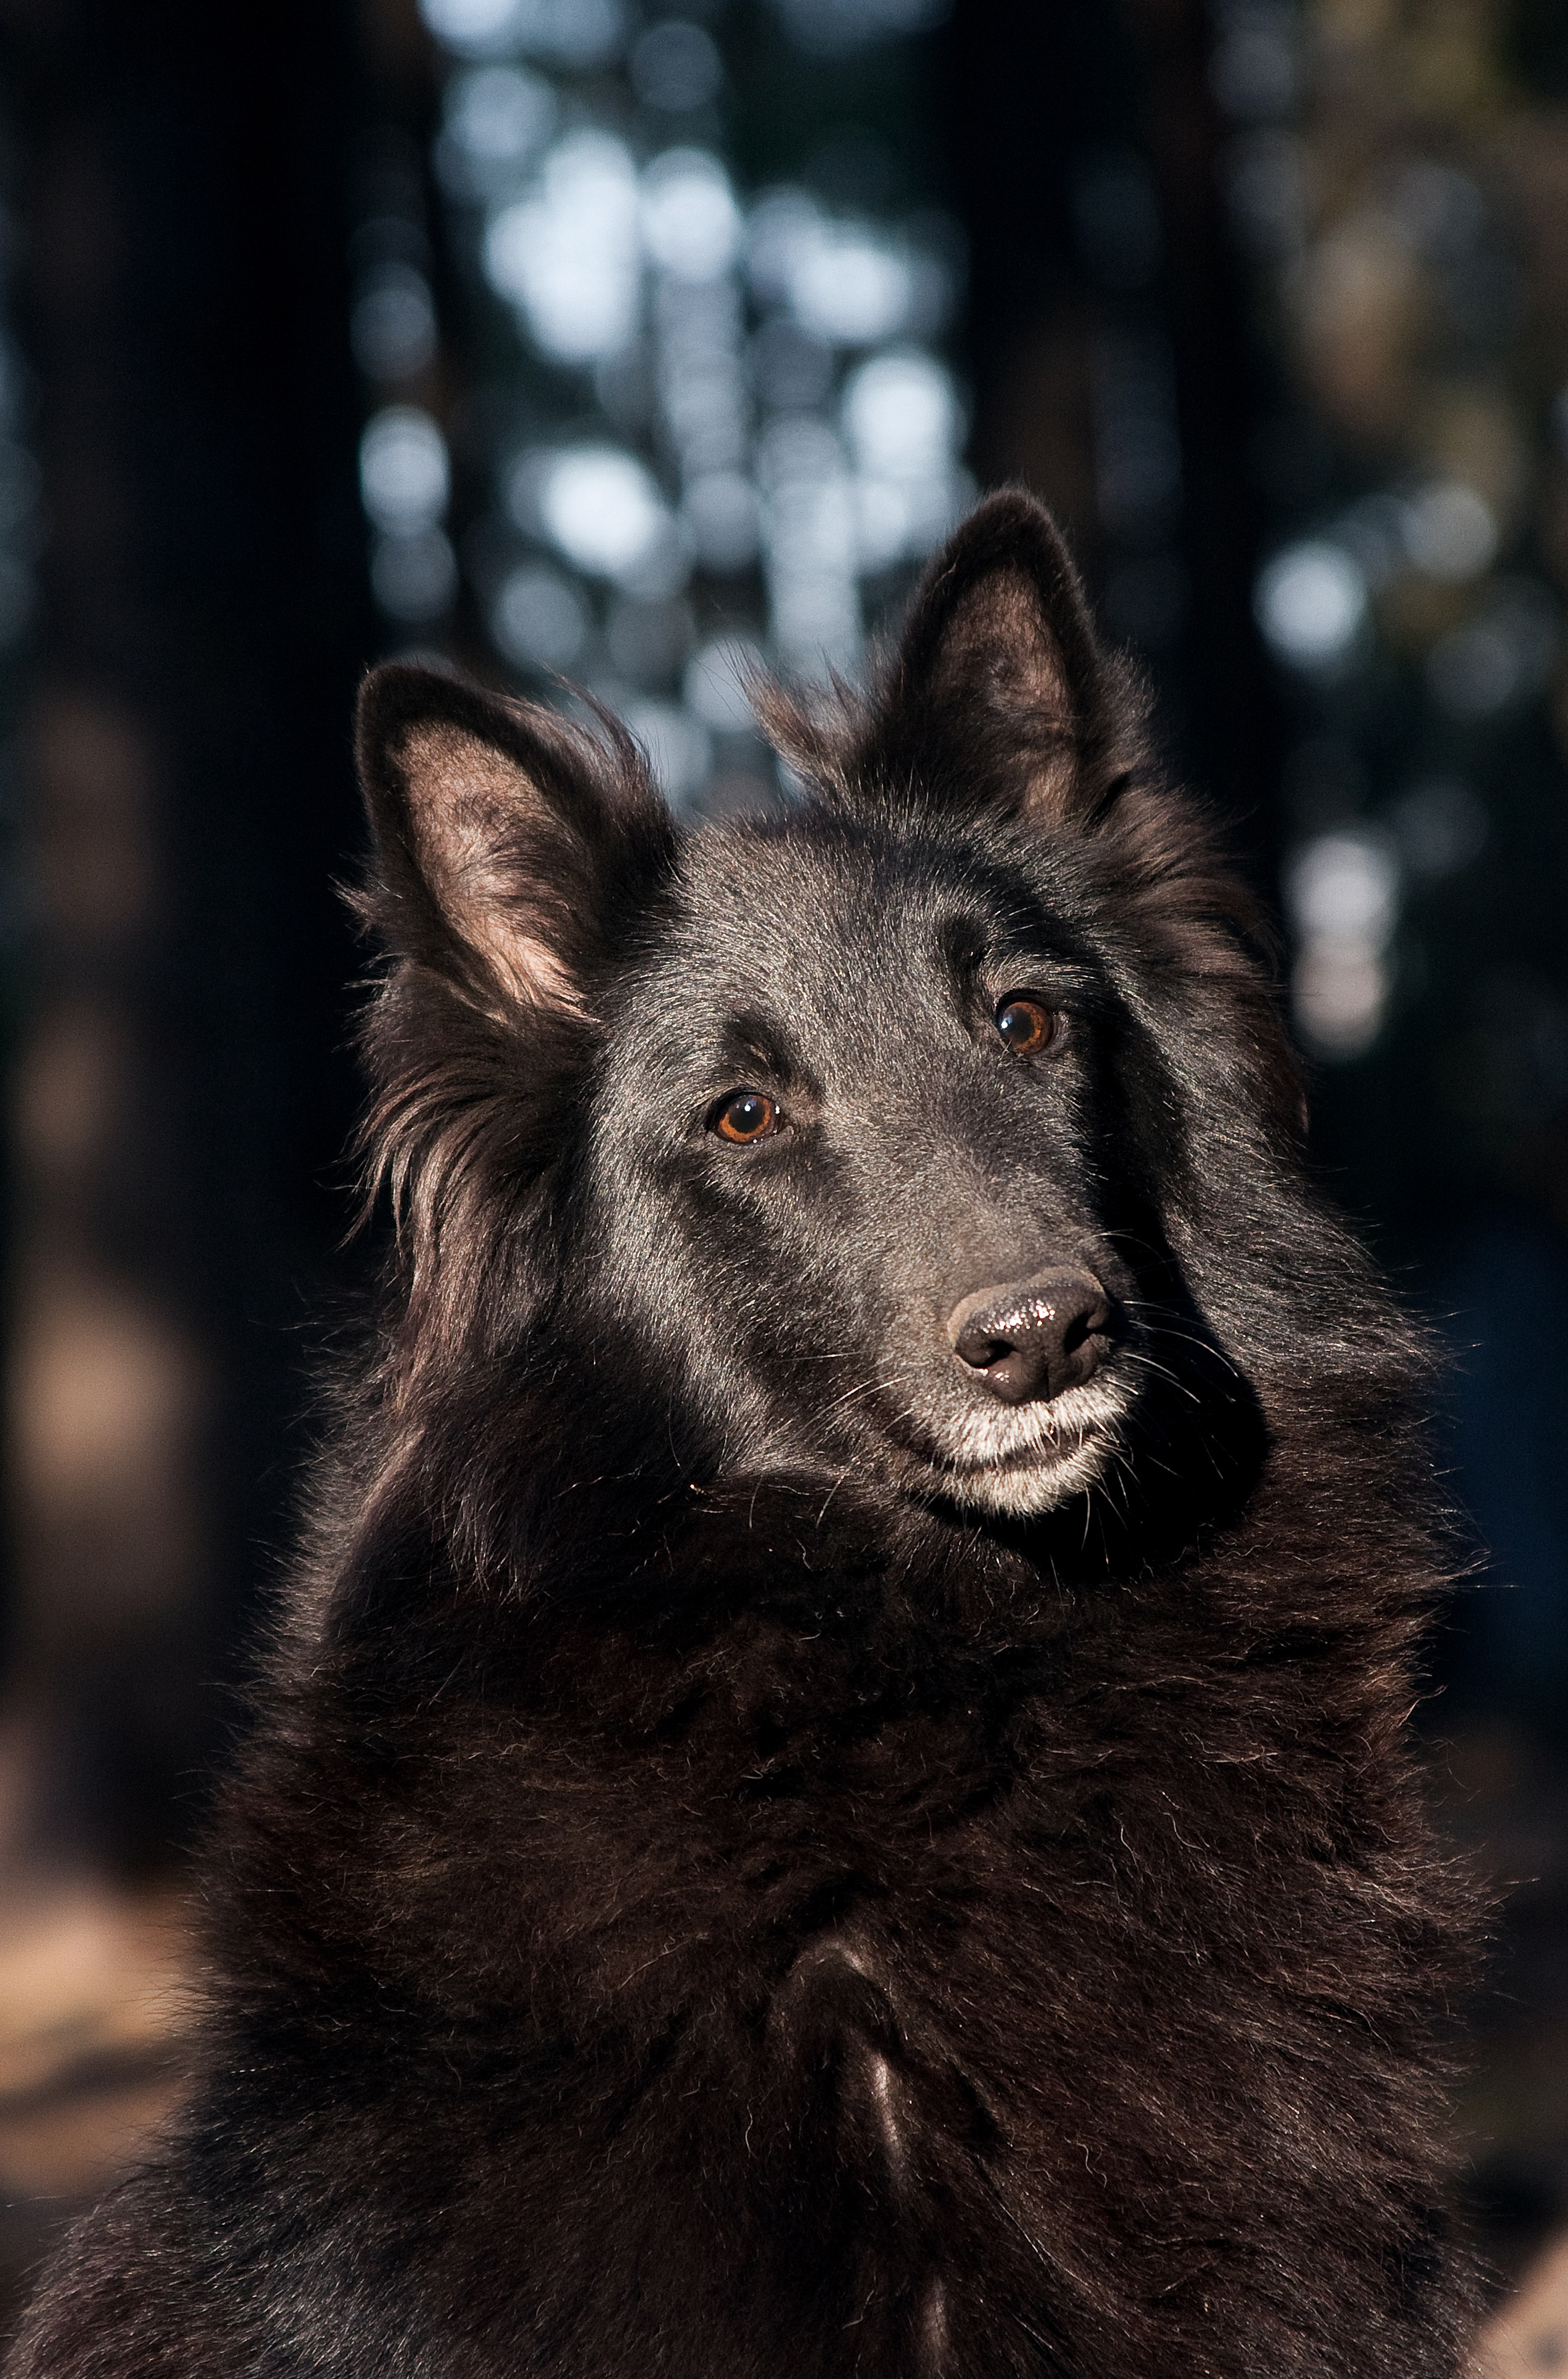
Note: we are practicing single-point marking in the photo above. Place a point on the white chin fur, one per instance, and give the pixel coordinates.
(1025, 1459)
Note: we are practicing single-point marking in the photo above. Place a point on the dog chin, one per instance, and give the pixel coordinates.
(1022, 1462)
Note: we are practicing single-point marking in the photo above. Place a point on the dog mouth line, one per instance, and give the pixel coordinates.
(1079, 1426)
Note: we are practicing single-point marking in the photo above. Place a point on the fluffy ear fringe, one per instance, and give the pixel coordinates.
(494, 936)
(491, 818)
(998, 654)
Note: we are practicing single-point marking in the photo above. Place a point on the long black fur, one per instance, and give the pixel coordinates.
(704, 1895)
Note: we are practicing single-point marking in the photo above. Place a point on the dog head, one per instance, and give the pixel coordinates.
(895, 1136)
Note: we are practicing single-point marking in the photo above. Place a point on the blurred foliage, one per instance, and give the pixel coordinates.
(1402, 183)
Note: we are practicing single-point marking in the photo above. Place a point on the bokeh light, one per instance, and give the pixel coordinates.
(570, 33)
(691, 224)
(603, 510)
(1312, 604)
(676, 66)
(715, 417)
(1341, 894)
(568, 255)
(497, 119)
(538, 619)
(403, 474)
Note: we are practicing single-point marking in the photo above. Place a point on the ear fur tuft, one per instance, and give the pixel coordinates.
(999, 663)
(491, 821)
(509, 847)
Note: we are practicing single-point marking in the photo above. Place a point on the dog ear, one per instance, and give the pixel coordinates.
(999, 654)
(495, 824)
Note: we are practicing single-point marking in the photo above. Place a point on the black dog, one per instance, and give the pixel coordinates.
(833, 1797)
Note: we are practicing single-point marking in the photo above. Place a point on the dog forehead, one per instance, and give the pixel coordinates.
(804, 906)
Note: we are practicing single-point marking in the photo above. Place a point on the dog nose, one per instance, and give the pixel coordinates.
(1034, 1338)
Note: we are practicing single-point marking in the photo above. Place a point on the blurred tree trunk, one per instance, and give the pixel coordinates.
(182, 1097)
(1040, 98)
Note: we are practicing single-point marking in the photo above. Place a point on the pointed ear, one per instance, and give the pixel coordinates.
(999, 652)
(496, 824)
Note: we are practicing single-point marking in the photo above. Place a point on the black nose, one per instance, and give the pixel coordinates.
(1035, 1337)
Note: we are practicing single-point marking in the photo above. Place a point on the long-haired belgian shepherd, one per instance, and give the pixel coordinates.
(832, 1796)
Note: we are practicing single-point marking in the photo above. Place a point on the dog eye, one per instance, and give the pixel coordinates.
(747, 1117)
(1026, 1026)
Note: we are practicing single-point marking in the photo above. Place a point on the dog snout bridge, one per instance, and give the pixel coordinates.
(1031, 1339)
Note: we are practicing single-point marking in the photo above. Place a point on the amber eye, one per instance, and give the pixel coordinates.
(747, 1117)
(1026, 1026)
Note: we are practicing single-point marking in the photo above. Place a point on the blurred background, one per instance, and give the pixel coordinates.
(624, 339)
